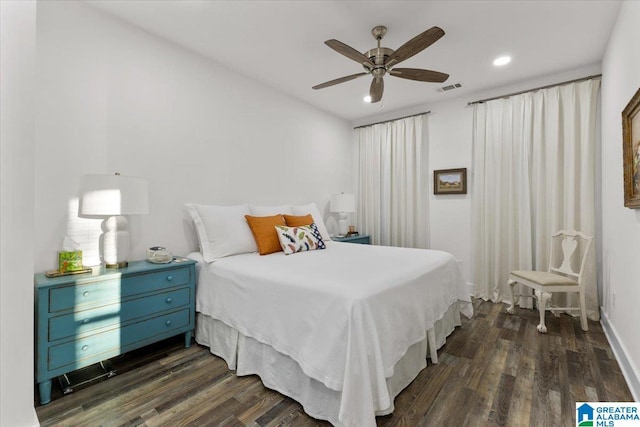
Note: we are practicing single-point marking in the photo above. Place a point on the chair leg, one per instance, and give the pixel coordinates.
(512, 307)
(542, 297)
(583, 312)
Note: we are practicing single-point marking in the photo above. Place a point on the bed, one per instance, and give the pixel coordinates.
(341, 330)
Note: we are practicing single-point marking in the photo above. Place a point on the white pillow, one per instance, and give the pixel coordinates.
(270, 210)
(312, 209)
(222, 230)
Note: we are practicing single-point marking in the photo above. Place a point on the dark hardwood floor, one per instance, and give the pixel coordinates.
(494, 370)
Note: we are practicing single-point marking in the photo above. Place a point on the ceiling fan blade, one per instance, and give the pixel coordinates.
(340, 80)
(377, 87)
(419, 75)
(415, 45)
(349, 52)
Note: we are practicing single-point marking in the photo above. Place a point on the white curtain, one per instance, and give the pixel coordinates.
(534, 174)
(392, 183)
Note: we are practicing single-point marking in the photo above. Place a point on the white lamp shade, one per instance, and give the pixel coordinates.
(343, 203)
(105, 195)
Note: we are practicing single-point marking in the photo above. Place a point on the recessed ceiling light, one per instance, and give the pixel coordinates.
(367, 98)
(502, 60)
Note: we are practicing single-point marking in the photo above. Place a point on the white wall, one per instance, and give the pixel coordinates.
(450, 146)
(620, 226)
(113, 98)
(17, 100)
(450, 130)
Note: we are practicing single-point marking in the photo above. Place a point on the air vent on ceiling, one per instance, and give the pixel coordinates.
(450, 87)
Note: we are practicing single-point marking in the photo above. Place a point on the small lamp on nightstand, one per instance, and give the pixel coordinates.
(343, 203)
(114, 196)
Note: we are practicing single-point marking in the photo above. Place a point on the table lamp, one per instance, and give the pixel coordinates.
(343, 203)
(114, 196)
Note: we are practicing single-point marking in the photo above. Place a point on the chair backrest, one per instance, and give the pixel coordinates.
(569, 252)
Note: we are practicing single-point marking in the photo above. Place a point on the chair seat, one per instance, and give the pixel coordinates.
(544, 278)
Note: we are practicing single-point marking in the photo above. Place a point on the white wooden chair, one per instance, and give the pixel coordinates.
(558, 279)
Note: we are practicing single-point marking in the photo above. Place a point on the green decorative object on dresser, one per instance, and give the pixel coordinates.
(363, 239)
(85, 319)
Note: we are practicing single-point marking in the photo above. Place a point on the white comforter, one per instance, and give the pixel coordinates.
(345, 314)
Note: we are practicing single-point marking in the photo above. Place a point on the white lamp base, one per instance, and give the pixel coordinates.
(343, 224)
(115, 242)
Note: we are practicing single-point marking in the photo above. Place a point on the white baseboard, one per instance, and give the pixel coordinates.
(629, 370)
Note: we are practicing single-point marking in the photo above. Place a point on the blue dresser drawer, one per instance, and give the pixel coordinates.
(82, 322)
(108, 344)
(84, 296)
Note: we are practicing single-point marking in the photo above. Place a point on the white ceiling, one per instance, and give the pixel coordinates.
(280, 43)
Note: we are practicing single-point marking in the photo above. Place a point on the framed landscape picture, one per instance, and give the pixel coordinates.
(631, 152)
(450, 181)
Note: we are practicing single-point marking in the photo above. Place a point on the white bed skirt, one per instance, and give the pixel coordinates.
(279, 372)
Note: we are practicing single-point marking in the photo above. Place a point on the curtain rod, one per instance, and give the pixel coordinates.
(393, 120)
(595, 76)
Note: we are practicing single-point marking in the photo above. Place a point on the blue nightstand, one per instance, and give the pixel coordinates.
(363, 239)
(87, 318)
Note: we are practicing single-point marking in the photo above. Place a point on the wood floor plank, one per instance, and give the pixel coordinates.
(490, 380)
(592, 394)
(520, 410)
(513, 359)
(598, 382)
(463, 398)
(495, 370)
(258, 406)
(423, 402)
(568, 335)
(472, 419)
(502, 403)
(567, 403)
(190, 410)
(439, 412)
(277, 414)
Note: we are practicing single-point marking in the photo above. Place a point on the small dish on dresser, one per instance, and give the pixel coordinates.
(159, 255)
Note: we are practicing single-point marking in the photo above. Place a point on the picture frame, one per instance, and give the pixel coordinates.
(450, 181)
(631, 152)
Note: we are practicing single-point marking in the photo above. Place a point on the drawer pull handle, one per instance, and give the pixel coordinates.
(169, 300)
(85, 321)
(169, 278)
(85, 294)
(168, 323)
(85, 347)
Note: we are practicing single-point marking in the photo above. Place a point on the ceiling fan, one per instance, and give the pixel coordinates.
(381, 60)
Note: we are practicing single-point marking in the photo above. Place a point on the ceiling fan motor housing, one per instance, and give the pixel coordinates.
(379, 55)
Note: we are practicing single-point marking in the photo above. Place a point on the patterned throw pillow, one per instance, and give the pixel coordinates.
(298, 239)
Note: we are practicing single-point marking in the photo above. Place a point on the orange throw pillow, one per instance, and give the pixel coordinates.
(264, 232)
(298, 221)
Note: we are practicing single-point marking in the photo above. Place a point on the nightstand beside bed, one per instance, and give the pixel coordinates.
(85, 319)
(363, 239)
